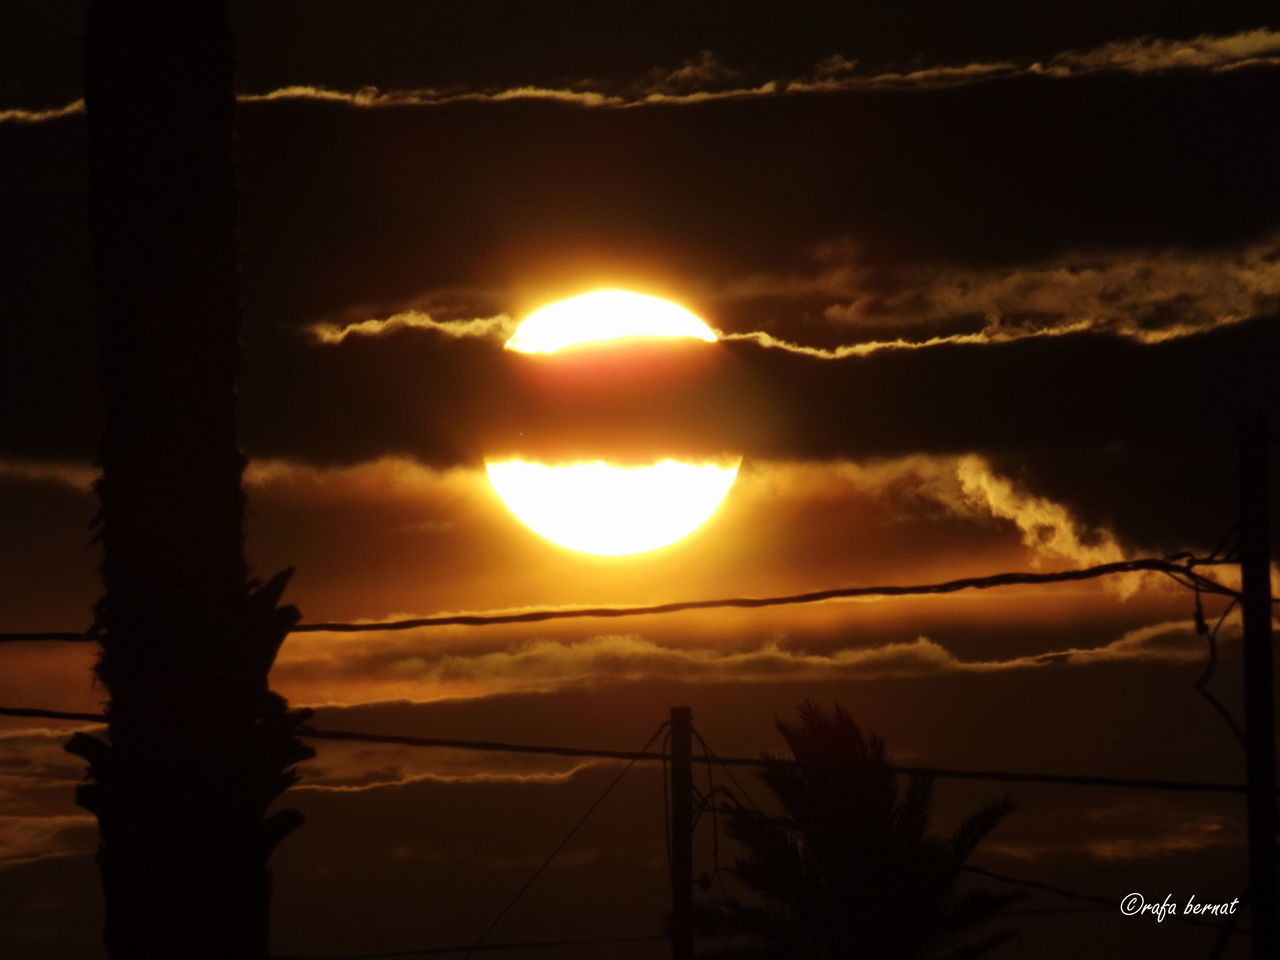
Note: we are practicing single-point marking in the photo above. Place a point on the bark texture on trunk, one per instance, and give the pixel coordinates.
(199, 746)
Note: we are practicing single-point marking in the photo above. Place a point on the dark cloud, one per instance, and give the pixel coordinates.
(1153, 424)
(475, 210)
(525, 197)
(346, 207)
(1071, 416)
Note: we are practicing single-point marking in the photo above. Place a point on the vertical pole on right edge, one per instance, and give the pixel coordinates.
(1259, 696)
(681, 833)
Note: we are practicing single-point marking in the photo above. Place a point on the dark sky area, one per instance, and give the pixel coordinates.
(994, 282)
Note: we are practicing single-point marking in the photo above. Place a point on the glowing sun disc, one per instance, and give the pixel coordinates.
(596, 507)
(605, 315)
(612, 510)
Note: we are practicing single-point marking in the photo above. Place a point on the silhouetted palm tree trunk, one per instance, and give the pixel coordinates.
(199, 745)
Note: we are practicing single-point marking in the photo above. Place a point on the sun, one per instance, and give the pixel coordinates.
(598, 507)
(612, 510)
(605, 315)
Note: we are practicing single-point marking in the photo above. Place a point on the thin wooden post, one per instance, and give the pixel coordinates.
(681, 834)
(1259, 695)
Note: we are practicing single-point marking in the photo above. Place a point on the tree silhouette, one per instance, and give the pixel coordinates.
(849, 869)
(199, 745)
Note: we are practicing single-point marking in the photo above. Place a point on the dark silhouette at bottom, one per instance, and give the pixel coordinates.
(849, 868)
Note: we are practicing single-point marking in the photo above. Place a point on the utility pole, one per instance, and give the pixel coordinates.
(1259, 696)
(681, 834)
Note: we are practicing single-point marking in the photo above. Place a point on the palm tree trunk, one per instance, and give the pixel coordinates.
(199, 745)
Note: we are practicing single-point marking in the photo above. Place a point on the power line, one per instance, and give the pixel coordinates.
(1201, 683)
(1039, 885)
(525, 945)
(709, 758)
(56, 635)
(521, 945)
(729, 773)
(953, 773)
(940, 772)
(38, 714)
(1172, 569)
(558, 847)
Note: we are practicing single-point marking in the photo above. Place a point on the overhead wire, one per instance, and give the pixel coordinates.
(1183, 573)
(666, 799)
(521, 945)
(709, 804)
(706, 747)
(559, 846)
(1201, 683)
(1002, 776)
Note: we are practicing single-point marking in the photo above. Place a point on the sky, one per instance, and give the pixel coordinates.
(993, 285)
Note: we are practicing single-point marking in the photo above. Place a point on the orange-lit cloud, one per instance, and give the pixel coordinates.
(23, 839)
(77, 476)
(392, 781)
(1203, 52)
(549, 665)
(913, 519)
(19, 115)
(497, 328)
(1047, 527)
(707, 77)
(1148, 829)
(1148, 298)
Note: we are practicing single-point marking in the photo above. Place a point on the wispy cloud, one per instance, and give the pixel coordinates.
(79, 476)
(497, 327)
(1148, 297)
(1260, 47)
(1048, 527)
(1145, 296)
(544, 665)
(430, 97)
(19, 115)
(315, 782)
(707, 77)
(1146, 830)
(36, 775)
(24, 839)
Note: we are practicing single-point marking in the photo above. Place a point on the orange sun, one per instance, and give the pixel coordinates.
(593, 506)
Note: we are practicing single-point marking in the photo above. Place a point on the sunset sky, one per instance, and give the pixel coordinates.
(992, 284)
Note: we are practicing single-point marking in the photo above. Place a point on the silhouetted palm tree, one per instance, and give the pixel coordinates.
(849, 869)
(199, 745)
